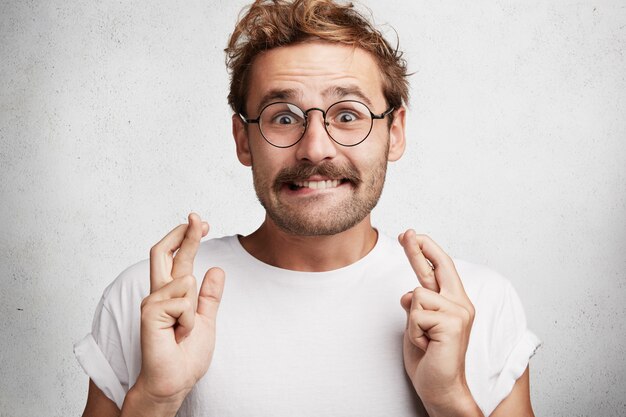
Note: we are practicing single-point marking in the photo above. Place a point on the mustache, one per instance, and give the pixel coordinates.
(304, 171)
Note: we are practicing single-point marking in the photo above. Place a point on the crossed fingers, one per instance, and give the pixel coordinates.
(183, 241)
(440, 307)
(435, 270)
(173, 288)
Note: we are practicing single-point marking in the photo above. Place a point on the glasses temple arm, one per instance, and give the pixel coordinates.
(246, 120)
(383, 114)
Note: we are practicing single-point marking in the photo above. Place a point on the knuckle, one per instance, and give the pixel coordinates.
(466, 316)
(145, 302)
(430, 274)
(415, 333)
(186, 304)
(457, 324)
(405, 300)
(189, 281)
(419, 293)
(460, 323)
(147, 311)
(471, 310)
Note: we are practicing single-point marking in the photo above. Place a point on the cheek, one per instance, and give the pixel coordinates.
(267, 163)
(368, 157)
(259, 153)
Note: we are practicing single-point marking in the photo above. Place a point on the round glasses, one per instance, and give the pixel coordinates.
(347, 122)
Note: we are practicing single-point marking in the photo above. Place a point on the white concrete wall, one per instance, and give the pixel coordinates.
(114, 124)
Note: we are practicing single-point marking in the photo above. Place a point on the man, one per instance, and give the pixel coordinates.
(309, 322)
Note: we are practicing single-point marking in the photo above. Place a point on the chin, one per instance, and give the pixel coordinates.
(304, 223)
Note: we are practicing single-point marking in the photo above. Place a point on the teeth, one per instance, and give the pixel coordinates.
(318, 185)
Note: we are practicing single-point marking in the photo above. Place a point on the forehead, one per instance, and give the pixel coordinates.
(314, 74)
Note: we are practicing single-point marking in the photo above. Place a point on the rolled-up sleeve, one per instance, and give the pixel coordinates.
(511, 347)
(111, 353)
(99, 370)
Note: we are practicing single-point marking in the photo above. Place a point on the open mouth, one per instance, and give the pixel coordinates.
(316, 185)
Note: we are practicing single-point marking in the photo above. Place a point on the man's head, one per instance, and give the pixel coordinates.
(302, 67)
(269, 24)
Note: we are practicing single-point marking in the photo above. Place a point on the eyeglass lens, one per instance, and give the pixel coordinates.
(347, 122)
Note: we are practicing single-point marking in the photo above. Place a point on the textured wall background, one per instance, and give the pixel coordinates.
(114, 124)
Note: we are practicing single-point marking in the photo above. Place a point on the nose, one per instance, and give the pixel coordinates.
(315, 146)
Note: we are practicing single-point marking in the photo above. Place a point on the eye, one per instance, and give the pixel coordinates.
(346, 117)
(285, 119)
(347, 113)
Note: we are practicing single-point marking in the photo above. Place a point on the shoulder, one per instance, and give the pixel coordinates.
(133, 284)
(220, 249)
(482, 283)
(500, 316)
(128, 288)
(493, 295)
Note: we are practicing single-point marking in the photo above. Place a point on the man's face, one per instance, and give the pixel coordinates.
(318, 187)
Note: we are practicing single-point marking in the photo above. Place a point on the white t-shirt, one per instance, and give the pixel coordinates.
(311, 343)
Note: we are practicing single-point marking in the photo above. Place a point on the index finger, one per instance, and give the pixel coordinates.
(421, 266)
(434, 268)
(183, 261)
(450, 284)
(162, 256)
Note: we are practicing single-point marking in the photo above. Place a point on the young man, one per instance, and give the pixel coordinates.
(309, 321)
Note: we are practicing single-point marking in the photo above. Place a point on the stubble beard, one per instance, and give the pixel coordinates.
(322, 220)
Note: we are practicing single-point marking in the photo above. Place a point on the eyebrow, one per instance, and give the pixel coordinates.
(341, 92)
(290, 94)
(280, 94)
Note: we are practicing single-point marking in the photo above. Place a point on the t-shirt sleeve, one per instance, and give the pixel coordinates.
(101, 355)
(111, 353)
(510, 345)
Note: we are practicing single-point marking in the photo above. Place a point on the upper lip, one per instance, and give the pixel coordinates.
(318, 178)
(306, 172)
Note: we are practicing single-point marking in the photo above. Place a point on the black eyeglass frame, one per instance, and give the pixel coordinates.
(373, 117)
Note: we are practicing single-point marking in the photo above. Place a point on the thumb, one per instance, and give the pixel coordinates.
(413, 335)
(406, 301)
(210, 294)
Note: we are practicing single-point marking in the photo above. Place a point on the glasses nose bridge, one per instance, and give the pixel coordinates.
(306, 115)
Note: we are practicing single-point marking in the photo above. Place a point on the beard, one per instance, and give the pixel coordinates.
(319, 216)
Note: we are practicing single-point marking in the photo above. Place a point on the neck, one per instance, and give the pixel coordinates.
(275, 247)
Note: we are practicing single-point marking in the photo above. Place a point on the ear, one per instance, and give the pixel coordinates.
(397, 141)
(240, 134)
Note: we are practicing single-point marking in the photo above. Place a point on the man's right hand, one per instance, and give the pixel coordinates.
(177, 323)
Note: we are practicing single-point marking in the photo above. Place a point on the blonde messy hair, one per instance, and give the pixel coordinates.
(268, 24)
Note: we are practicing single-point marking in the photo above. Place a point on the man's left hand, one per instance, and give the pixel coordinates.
(439, 321)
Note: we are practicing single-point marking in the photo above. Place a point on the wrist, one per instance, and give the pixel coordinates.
(140, 403)
(458, 404)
